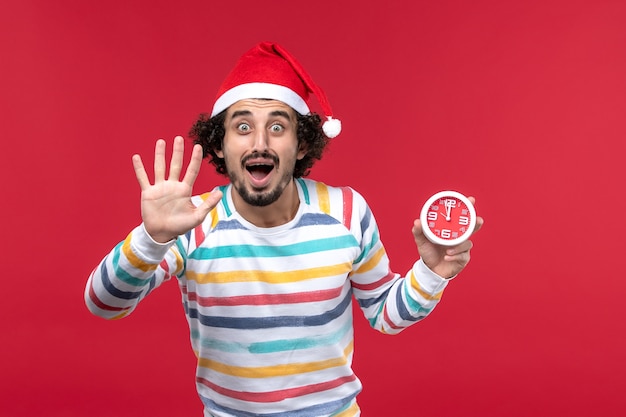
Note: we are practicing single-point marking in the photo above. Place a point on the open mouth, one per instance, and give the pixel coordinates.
(260, 167)
(259, 171)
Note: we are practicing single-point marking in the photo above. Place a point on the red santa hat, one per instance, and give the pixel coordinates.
(269, 71)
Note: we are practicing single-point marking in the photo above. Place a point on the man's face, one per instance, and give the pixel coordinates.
(260, 149)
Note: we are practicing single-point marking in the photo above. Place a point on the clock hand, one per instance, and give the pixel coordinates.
(448, 208)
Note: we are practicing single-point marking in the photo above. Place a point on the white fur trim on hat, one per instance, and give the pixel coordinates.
(260, 90)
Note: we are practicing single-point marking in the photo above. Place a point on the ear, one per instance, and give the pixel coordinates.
(302, 150)
(219, 153)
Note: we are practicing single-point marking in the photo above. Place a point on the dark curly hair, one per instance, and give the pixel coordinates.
(209, 132)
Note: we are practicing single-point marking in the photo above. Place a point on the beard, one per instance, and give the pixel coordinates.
(260, 197)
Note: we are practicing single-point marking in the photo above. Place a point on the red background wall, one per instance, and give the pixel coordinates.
(521, 104)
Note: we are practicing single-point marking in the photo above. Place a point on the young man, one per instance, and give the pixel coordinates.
(268, 264)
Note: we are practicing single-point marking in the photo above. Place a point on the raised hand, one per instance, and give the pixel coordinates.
(166, 207)
(445, 261)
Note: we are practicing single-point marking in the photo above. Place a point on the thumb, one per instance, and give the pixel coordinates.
(209, 203)
(418, 232)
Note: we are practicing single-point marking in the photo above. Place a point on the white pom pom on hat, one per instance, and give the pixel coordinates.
(332, 127)
(268, 71)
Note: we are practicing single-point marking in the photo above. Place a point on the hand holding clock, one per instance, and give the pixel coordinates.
(443, 239)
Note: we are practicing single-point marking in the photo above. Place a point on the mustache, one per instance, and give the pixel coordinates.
(263, 155)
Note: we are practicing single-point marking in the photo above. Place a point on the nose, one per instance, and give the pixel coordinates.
(261, 139)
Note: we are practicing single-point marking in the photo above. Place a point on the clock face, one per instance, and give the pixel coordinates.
(448, 218)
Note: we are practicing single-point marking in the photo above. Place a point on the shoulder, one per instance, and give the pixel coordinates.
(317, 191)
(342, 202)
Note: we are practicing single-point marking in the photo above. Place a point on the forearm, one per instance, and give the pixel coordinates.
(402, 301)
(389, 301)
(128, 273)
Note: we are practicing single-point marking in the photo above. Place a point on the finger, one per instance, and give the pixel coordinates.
(418, 232)
(460, 248)
(479, 224)
(479, 220)
(159, 161)
(459, 254)
(140, 172)
(212, 200)
(417, 228)
(194, 166)
(209, 203)
(462, 258)
(176, 165)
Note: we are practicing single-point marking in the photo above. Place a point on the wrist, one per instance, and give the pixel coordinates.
(157, 238)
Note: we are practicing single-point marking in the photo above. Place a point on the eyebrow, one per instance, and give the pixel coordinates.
(279, 113)
(241, 113)
(282, 113)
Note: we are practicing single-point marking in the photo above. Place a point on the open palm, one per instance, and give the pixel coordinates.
(166, 207)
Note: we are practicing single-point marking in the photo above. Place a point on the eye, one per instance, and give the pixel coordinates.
(276, 128)
(243, 127)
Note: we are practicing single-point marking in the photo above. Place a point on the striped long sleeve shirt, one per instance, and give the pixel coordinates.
(270, 309)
